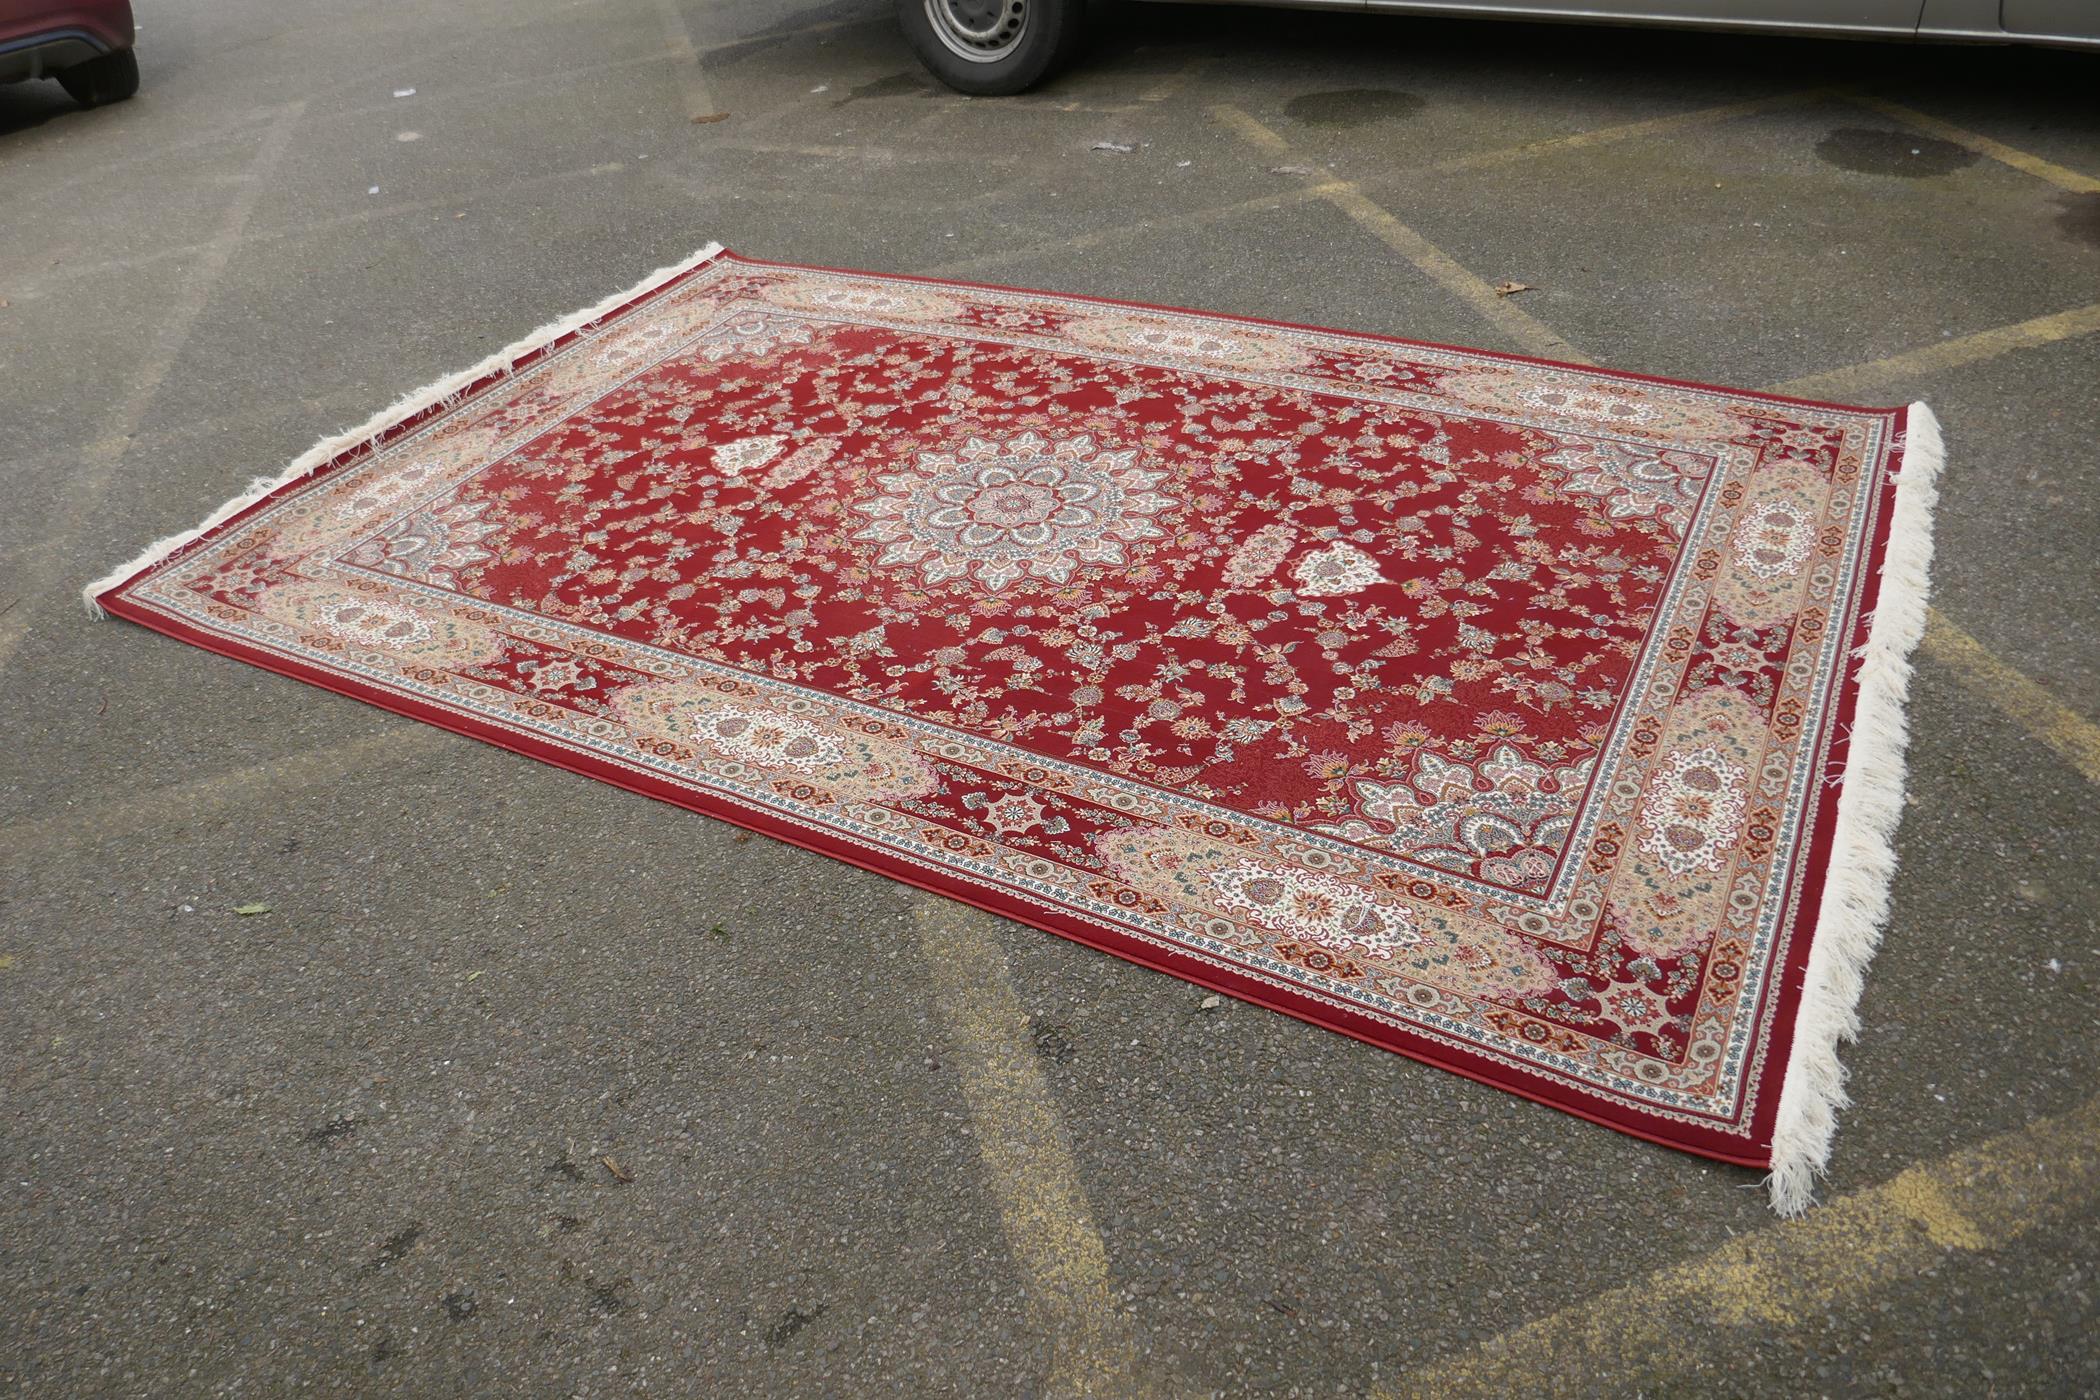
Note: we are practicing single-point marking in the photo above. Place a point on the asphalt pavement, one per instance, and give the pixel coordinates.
(524, 1085)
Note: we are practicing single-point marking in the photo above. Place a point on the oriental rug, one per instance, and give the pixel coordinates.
(1538, 721)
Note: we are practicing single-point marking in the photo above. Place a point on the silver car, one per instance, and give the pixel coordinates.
(994, 47)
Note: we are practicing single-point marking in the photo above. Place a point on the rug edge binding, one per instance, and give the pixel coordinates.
(1855, 903)
(445, 391)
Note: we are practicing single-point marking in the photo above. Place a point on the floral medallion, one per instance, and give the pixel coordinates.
(995, 512)
(1314, 907)
(767, 739)
(1339, 568)
(431, 544)
(1636, 480)
(1774, 539)
(1695, 806)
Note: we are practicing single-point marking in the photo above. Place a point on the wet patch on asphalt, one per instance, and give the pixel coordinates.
(895, 85)
(1906, 156)
(791, 1322)
(397, 1246)
(2078, 218)
(1347, 108)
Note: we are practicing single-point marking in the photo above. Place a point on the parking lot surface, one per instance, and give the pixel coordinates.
(526, 1085)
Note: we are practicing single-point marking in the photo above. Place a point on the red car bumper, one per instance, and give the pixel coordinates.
(39, 37)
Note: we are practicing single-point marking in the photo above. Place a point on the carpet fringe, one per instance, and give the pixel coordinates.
(1863, 855)
(446, 391)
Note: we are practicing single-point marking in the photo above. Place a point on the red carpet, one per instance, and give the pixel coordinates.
(1487, 710)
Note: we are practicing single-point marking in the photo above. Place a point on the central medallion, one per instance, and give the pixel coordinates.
(997, 511)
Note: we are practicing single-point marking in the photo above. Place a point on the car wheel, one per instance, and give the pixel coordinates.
(110, 78)
(991, 48)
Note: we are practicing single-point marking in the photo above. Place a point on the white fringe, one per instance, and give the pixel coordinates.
(1863, 854)
(446, 391)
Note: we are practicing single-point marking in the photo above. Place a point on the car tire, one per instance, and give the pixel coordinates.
(110, 78)
(992, 48)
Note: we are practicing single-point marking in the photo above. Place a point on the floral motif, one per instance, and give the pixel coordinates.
(1339, 568)
(1315, 907)
(563, 673)
(629, 344)
(1505, 820)
(1635, 480)
(1614, 409)
(376, 493)
(433, 544)
(386, 626)
(1014, 813)
(736, 458)
(1773, 539)
(767, 739)
(751, 334)
(897, 303)
(1259, 554)
(1241, 347)
(1000, 511)
(1695, 806)
(798, 464)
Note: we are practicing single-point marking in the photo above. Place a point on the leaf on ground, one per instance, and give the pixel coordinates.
(619, 1173)
(1510, 289)
(256, 908)
(711, 118)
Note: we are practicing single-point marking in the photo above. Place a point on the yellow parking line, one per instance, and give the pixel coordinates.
(1096, 238)
(2070, 734)
(157, 809)
(1897, 370)
(1980, 1198)
(1983, 1196)
(1627, 131)
(1042, 1204)
(1172, 84)
(92, 478)
(1530, 334)
(2034, 165)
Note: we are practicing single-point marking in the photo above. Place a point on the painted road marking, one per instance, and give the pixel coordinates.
(1283, 199)
(451, 202)
(156, 809)
(2057, 175)
(1172, 84)
(1980, 1198)
(1042, 1204)
(92, 476)
(1948, 354)
(2074, 737)
(1530, 333)
(2019, 698)
(678, 43)
(1987, 1194)
(1194, 218)
(1608, 135)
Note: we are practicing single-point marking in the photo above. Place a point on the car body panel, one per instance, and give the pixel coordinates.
(2076, 19)
(1874, 16)
(38, 38)
(107, 23)
(2066, 22)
